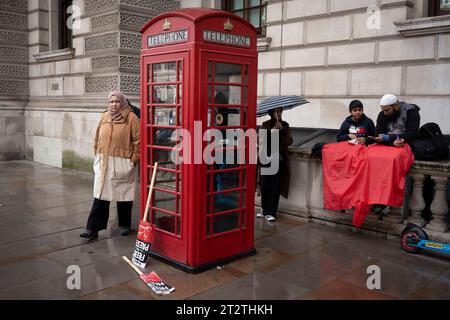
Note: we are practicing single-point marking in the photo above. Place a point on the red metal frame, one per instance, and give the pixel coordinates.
(193, 248)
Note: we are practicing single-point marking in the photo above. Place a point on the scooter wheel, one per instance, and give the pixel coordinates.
(404, 241)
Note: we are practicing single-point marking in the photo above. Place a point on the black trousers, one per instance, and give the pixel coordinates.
(270, 193)
(99, 216)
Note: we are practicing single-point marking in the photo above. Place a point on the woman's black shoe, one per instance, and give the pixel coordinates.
(124, 231)
(88, 234)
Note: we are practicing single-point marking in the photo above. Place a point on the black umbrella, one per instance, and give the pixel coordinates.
(285, 102)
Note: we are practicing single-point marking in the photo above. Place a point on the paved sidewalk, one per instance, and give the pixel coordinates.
(44, 209)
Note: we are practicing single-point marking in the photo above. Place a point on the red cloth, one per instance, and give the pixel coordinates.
(356, 176)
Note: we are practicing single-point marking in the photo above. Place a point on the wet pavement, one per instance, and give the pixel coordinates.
(44, 209)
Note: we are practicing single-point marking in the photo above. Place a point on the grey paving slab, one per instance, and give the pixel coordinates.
(255, 286)
(44, 209)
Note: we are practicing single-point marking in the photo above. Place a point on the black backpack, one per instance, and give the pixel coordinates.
(431, 145)
(316, 151)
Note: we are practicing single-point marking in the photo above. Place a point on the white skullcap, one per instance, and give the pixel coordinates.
(388, 99)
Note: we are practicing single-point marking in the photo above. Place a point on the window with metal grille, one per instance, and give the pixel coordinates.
(253, 11)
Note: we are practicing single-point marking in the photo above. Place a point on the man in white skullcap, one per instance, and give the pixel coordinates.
(398, 122)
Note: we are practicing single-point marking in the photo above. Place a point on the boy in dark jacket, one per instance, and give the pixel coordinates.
(357, 127)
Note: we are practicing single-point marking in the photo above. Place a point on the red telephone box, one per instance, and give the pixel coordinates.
(198, 73)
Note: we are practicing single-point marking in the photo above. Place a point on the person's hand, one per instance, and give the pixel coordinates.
(352, 136)
(278, 125)
(378, 138)
(399, 143)
(361, 140)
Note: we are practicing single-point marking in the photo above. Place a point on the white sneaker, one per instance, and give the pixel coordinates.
(270, 218)
(260, 215)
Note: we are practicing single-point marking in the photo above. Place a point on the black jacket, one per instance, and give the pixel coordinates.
(362, 128)
(411, 131)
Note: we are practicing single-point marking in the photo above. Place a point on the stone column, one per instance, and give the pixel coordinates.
(416, 202)
(439, 206)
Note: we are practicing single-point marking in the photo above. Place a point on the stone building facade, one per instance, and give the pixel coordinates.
(51, 97)
(334, 51)
(329, 51)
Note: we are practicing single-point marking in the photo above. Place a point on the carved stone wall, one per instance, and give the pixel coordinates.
(17, 88)
(105, 62)
(94, 6)
(13, 20)
(133, 21)
(130, 62)
(101, 42)
(14, 4)
(14, 70)
(105, 21)
(13, 37)
(13, 54)
(102, 84)
(130, 84)
(130, 41)
(157, 5)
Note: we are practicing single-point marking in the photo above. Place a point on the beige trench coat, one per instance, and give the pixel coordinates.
(117, 154)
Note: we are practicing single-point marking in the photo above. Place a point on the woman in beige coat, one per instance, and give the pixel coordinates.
(117, 154)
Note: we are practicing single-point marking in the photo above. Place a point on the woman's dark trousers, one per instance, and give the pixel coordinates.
(99, 216)
(270, 193)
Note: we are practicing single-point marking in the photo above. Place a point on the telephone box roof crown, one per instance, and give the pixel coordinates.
(196, 15)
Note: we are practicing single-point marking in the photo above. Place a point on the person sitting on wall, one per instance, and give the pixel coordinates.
(398, 122)
(357, 127)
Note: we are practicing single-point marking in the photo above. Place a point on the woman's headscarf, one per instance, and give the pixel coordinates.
(117, 116)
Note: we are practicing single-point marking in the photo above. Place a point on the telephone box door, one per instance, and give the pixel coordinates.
(227, 227)
(163, 94)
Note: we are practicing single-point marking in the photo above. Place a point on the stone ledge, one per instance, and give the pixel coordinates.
(263, 44)
(55, 55)
(421, 26)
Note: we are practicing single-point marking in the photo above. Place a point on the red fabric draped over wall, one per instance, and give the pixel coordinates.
(356, 176)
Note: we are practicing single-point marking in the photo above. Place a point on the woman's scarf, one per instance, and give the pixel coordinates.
(117, 115)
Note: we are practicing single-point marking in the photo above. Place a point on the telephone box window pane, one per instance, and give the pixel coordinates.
(166, 201)
(210, 72)
(244, 198)
(225, 201)
(226, 222)
(178, 226)
(229, 158)
(165, 72)
(209, 117)
(167, 180)
(226, 180)
(245, 96)
(227, 94)
(149, 95)
(164, 94)
(165, 137)
(180, 71)
(210, 95)
(180, 117)
(149, 73)
(227, 117)
(246, 74)
(208, 227)
(164, 116)
(163, 157)
(227, 72)
(180, 94)
(164, 221)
